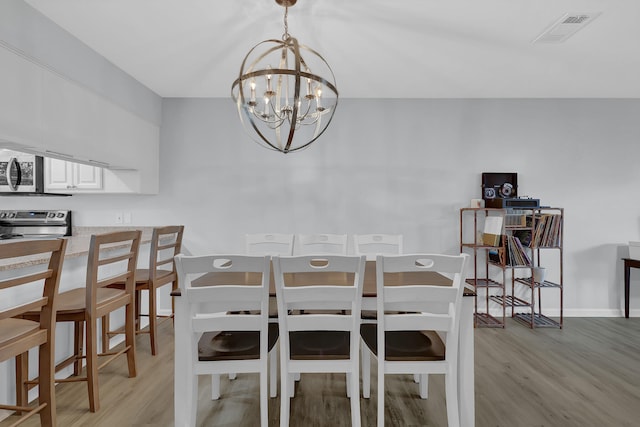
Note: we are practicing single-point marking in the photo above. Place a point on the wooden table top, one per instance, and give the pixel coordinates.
(320, 278)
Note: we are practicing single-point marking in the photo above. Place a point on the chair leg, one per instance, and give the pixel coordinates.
(193, 401)
(355, 400)
(92, 365)
(292, 385)
(22, 375)
(423, 385)
(286, 381)
(130, 338)
(348, 382)
(138, 304)
(153, 319)
(366, 371)
(451, 391)
(105, 333)
(174, 287)
(215, 386)
(78, 337)
(380, 393)
(264, 395)
(46, 384)
(273, 373)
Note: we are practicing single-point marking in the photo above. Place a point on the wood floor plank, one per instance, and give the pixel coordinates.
(586, 374)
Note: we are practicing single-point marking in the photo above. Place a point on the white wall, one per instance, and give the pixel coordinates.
(27, 32)
(400, 166)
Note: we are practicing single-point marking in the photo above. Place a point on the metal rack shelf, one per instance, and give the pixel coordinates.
(491, 290)
(537, 320)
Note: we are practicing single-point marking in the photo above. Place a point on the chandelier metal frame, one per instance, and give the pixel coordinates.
(285, 109)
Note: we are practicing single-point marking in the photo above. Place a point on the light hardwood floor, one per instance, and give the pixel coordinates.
(587, 374)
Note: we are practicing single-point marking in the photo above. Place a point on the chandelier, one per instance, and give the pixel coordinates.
(282, 103)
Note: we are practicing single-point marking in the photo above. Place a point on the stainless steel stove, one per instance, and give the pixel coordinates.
(34, 224)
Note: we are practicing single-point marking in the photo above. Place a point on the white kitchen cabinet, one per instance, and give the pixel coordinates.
(70, 176)
(45, 113)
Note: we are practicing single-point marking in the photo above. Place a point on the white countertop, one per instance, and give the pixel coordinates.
(77, 245)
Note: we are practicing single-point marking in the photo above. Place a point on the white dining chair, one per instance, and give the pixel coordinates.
(321, 244)
(377, 244)
(418, 325)
(325, 342)
(227, 327)
(269, 244)
(372, 245)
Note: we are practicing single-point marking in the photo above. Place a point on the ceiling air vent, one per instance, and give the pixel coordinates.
(565, 27)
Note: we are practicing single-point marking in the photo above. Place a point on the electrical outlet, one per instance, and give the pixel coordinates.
(127, 217)
(119, 218)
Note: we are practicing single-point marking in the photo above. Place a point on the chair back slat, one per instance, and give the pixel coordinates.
(308, 296)
(27, 278)
(327, 244)
(226, 322)
(317, 263)
(327, 322)
(116, 258)
(418, 322)
(23, 308)
(269, 244)
(377, 244)
(426, 294)
(225, 294)
(444, 264)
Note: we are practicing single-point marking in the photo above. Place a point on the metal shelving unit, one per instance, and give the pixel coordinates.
(529, 308)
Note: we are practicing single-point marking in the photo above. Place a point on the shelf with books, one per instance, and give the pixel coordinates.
(546, 236)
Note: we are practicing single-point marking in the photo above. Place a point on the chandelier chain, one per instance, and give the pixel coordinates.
(286, 35)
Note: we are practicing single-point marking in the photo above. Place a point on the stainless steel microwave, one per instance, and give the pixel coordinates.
(21, 173)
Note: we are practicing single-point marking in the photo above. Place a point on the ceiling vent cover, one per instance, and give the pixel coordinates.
(565, 27)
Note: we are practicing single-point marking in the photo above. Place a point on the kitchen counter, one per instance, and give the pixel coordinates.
(77, 245)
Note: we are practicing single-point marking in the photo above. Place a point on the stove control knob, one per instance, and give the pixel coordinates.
(3, 214)
(51, 215)
(12, 214)
(60, 214)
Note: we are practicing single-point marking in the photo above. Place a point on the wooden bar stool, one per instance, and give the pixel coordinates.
(18, 335)
(112, 259)
(166, 243)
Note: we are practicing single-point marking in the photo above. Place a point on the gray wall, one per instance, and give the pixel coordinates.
(400, 166)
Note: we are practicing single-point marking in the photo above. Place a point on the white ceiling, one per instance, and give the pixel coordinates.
(377, 49)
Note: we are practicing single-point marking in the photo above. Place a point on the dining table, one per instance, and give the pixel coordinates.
(466, 383)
